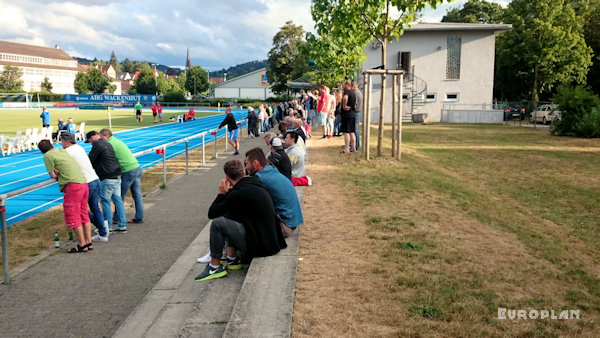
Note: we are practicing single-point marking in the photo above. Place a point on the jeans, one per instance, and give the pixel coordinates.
(133, 180)
(356, 130)
(110, 189)
(224, 229)
(95, 213)
(336, 124)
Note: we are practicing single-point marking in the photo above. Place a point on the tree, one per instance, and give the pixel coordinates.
(196, 80)
(145, 83)
(591, 19)
(127, 66)
(112, 88)
(11, 79)
(81, 83)
(545, 47)
(285, 61)
(97, 82)
(475, 11)
(114, 62)
(46, 85)
(383, 20)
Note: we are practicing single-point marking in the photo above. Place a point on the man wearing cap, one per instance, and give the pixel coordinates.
(83, 161)
(278, 157)
(131, 174)
(107, 167)
(296, 156)
(61, 166)
(252, 122)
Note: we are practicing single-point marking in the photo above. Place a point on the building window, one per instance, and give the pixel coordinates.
(430, 97)
(451, 97)
(453, 58)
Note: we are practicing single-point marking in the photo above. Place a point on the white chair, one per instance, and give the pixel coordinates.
(34, 137)
(48, 135)
(3, 144)
(28, 138)
(41, 135)
(15, 143)
(80, 134)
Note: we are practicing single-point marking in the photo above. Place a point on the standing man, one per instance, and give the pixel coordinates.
(348, 118)
(61, 166)
(323, 108)
(93, 181)
(154, 109)
(358, 106)
(229, 120)
(243, 215)
(252, 122)
(285, 198)
(131, 174)
(45, 117)
(107, 167)
(138, 111)
(160, 113)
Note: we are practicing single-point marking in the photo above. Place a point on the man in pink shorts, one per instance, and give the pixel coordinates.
(71, 181)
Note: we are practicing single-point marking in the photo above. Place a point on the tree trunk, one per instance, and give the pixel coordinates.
(534, 94)
(382, 101)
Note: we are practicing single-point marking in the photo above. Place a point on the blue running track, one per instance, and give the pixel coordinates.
(27, 168)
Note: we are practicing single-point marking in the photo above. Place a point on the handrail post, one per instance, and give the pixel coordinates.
(164, 154)
(5, 266)
(226, 138)
(216, 143)
(203, 150)
(187, 157)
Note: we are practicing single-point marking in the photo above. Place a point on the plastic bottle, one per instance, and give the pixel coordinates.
(56, 240)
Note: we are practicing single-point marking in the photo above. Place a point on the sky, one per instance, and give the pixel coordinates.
(219, 34)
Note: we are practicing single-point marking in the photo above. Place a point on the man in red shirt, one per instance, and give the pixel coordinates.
(154, 111)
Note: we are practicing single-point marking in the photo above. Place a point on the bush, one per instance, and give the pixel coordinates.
(174, 96)
(46, 96)
(579, 117)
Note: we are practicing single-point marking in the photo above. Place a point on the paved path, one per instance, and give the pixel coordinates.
(92, 294)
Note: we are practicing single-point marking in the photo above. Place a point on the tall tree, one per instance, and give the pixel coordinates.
(46, 85)
(11, 79)
(546, 46)
(591, 19)
(196, 80)
(97, 82)
(285, 62)
(145, 83)
(127, 66)
(81, 83)
(384, 20)
(475, 11)
(114, 62)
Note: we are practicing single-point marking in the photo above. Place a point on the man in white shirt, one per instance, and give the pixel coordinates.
(83, 161)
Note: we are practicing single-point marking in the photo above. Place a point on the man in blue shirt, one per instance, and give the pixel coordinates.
(45, 117)
(281, 189)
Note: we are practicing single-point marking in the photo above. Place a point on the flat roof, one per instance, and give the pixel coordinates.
(456, 26)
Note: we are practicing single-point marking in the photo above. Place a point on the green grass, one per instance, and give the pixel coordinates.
(459, 186)
(12, 120)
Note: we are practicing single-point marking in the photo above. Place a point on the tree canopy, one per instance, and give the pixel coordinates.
(11, 79)
(285, 61)
(475, 11)
(196, 80)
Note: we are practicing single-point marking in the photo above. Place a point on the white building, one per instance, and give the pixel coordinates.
(38, 63)
(452, 64)
(253, 85)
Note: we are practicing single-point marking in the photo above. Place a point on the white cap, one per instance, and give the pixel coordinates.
(276, 142)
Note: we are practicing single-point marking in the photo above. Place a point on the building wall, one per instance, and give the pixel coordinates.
(248, 86)
(428, 56)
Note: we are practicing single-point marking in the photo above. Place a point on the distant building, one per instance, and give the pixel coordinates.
(253, 85)
(449, 66)
(38, 63)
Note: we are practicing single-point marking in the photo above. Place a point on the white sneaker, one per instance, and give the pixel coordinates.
(204, 259)
(99, 238)
(309, 180)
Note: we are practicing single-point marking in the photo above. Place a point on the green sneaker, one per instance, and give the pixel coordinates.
(211, 273)
(233, 264)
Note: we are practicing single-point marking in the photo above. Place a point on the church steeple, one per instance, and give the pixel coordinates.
(188, 62)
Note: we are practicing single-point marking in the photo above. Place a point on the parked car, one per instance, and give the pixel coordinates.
(514, 111)
(546, 113)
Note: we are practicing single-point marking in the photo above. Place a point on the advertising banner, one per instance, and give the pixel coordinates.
(109, 99)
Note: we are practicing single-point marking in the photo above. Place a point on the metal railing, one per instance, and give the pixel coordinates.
(163, 151)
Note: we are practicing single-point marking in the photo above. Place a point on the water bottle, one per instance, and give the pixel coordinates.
(56, 240)
(70, 234)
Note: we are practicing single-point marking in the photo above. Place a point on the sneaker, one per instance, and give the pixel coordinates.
(120, 230)
(309, 180)
(211, 273)
(324, 136)
(233, 264)
(99, 238)
(328, 136)
(204, 259)
(140, 221)
(236, 152)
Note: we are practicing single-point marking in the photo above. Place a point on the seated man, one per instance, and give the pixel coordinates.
(61, 126)
(279, 187)
(296, 156)
(243, 215)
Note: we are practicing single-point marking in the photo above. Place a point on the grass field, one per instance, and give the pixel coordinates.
(13, 119)
(474, 218)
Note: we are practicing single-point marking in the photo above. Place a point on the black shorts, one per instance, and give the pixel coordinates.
(347, 125)
(138, 112)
